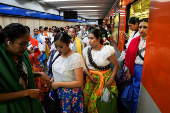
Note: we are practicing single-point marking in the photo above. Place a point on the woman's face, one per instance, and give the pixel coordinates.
(133, 27)
(93, 41)
(19, 46)
(143, 29)
(61, 47)
(42, 29)
(72, 32)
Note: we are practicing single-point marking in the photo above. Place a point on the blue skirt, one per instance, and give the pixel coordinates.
(130, 95)
(72, 100)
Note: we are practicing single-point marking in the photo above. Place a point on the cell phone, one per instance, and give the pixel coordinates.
(123, 33)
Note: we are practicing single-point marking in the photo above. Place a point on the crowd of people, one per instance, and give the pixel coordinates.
(78, 60)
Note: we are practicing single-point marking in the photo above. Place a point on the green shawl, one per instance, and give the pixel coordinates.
(9, 82)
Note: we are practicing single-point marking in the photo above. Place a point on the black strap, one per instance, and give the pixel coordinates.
(139, 53)
(50, 70)
(101, 68)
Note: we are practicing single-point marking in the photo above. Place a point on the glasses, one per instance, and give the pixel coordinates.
(23, 45)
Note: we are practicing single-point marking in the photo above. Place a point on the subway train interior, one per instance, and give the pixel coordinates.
(84, 56)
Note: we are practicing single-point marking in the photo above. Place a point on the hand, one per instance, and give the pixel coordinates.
(34, 93)
(93, 80)
(54, 85)
(109, 83)
(46, 79)
(128, 75)
(52, 80)
(31, 51)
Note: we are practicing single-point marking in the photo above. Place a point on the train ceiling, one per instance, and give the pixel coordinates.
(88, 9)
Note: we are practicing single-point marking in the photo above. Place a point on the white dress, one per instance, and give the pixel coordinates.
(99, 57)
(63, 68)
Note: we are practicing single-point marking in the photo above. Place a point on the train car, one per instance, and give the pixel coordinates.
(154, 89)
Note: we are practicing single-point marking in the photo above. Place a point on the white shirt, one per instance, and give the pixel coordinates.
(42, 37)
(132, 36)
(86, 40)
(52, 44)
(99, 57)
(142, 44)
(63, 68)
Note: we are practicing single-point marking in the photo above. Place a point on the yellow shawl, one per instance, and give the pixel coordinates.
(78, 44)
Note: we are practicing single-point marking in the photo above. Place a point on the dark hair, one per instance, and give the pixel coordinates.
(63, 37)
(108, 25)
(90, 28)
(1, 27)
(50, 29)
(45, 28)
(67, 26)
(97, 34)
(61, 28)
(40, 27)
(143, 20)
(133, 20)
(12, 31)
(103, 32)
(77, 26)
(56, 30)
(54, 26)
(35, 29)
(28, 28)
(73, 28)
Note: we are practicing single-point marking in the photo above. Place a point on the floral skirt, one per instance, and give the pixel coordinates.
(90, 91)
(72, 100)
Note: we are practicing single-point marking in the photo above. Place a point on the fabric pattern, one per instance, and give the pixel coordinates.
(71, 100)
(91, 91)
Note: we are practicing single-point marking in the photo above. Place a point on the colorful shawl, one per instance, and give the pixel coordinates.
(78, 44)
(131, 54)
(9, 82)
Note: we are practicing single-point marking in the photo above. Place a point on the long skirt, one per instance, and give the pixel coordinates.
(131, 94)
(91, 91)
(72, 100)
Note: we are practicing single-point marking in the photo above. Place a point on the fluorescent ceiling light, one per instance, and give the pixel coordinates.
(77, 7)
(87, 10)
(60, 0)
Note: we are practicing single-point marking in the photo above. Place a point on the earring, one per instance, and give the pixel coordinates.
(8, 43)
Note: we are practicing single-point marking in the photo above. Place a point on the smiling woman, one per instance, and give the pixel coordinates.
(17, 88)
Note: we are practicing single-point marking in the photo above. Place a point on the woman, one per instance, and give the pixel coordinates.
(134, 61)
(45, 41)
(17, 88)
(133, 24)
(102, 57)
(68, 75)
(75, 45)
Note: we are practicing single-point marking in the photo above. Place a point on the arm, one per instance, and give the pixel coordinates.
(78, 72)
(45, 78)
(93, 80)
(33, 93)
(112, 59)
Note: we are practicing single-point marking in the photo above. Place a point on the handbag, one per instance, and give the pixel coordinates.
(107, 103)
(51, 100)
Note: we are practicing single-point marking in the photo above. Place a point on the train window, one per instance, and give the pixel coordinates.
(116, 28)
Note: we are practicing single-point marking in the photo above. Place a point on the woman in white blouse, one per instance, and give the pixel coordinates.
(97, 58)
(134, 61)
(68, 75)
